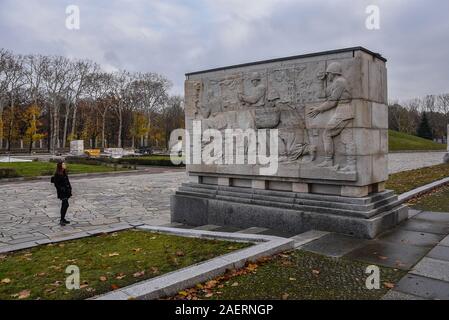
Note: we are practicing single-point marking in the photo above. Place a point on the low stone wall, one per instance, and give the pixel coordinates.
(404, 161)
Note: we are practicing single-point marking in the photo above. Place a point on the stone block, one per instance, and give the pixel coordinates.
(379, 116)
(424, 287)
(223, 181)
(351, 191)
(334, 143)
(380, 168)
(363, 114)
(259, 184)
(432, 268)
(300, 187)
(367, 141)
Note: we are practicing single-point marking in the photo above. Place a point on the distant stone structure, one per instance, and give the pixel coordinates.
(329, 111)
(77, 147)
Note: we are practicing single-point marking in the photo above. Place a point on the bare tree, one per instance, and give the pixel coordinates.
(153, 94)
(13, 71)
(82, 70)
(119, 92)
(56, 80)
(99, 86)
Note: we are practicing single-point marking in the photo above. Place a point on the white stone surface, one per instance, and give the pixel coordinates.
(12, 159)
(413, 160)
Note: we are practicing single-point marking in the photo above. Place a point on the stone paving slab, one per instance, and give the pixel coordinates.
(413, 212)
(387, 254)
(439, 252)
(397, 295)
(334, 245)
(29, 211)
(432, 268)
(207, 227)
(439, 217)
(420, 239)
(308, 236)
(253, 230)
(425, 226)
(445, 242)
(423, 287)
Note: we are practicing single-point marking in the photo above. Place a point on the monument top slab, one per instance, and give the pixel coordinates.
(307, 55)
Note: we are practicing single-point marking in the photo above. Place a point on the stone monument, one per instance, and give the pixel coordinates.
(77, 147)
(326, 113)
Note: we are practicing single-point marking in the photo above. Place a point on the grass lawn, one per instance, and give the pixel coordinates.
(399, 141)
(37, 168)
(407, 180)
(437, 201)
(106, 262)
(296, 275)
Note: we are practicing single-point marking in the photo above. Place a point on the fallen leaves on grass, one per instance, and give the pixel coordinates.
(285, 296)
(120, 276)
(103, 279)
(206, 289)
(139, 274)
(24, 294)
(6, 281)
(179, 253)
(316, 272)
(389, 285)
(113, 254)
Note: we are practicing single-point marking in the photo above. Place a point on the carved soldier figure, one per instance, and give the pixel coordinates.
(257, 98)
(338, 96)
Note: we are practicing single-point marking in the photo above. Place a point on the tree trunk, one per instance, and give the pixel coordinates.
(75, 109)
(103, 125)
(50, 129)
(147, 135)
(11, 122)
(66, 120)
(119, 140)
(1, 124)
(55, 133)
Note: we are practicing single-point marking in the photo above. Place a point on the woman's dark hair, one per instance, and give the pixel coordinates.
(59, 169)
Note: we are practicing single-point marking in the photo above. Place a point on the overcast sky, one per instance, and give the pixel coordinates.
(173, 37)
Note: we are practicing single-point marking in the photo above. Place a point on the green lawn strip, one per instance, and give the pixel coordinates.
(408, 180)
(297, 275)
(436, 201)
(106, 262)
(399, 141)
(34, 169)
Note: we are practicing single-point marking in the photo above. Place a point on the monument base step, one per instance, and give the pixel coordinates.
(208, 206)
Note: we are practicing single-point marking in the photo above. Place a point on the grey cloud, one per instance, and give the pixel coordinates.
(175, 37)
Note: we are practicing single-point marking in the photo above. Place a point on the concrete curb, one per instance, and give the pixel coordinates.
(171, 283)
(423, 189)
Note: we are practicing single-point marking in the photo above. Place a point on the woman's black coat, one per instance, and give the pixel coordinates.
(62, 184)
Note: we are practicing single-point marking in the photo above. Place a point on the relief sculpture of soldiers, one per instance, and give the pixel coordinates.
(338, 97)
(292, 100)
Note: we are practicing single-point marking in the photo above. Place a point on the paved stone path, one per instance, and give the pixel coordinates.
(419, 246)
(413, 160)
(29, 211)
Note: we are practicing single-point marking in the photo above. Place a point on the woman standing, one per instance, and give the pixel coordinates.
(63, 189)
